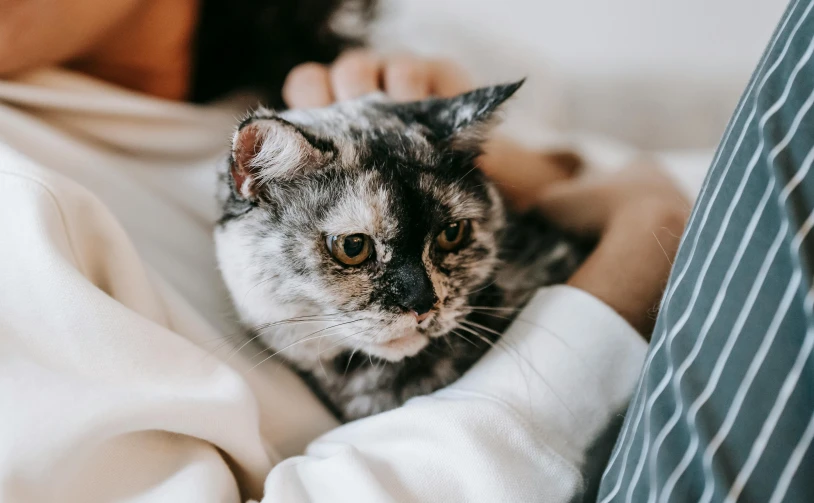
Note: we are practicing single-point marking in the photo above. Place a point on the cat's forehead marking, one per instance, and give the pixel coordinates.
(363, 207)
(355, 127)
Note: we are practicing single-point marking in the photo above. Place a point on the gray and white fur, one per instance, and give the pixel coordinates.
(413, 316)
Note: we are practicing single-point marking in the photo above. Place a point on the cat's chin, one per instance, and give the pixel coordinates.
(399, 348)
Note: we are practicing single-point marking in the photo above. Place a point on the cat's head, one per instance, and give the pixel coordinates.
(366, 224)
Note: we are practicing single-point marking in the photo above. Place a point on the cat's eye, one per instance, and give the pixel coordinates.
(352, 249)
(453, 235)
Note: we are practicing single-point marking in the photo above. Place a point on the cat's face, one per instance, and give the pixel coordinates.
(366, 224)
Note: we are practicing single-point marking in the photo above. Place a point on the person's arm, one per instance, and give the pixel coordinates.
(639, 216)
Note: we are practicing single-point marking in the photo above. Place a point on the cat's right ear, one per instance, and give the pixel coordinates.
(269, 148)
(462, 122)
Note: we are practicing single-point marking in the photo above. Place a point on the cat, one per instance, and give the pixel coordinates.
(362, 243)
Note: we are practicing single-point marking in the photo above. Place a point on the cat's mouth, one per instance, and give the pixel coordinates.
(406, 338)
(400, 347)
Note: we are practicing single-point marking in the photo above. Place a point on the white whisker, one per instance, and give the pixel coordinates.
(308, 338)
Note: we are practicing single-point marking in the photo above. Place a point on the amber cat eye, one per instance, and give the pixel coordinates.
(352, 249)
(453, 235)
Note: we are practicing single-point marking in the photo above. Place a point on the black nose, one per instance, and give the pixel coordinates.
(415, 292)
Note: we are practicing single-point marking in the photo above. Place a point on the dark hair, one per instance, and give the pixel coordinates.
(253, 44)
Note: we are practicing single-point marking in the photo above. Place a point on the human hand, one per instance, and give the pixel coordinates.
(358, 72)
(639, 216)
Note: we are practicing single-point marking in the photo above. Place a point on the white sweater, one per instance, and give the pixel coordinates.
(112, 383)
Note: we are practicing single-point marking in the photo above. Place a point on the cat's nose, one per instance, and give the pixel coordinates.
(415, 293)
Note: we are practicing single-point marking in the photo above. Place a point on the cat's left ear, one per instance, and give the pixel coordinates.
(463, 122)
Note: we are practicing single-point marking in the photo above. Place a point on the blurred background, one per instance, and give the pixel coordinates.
(654, 74)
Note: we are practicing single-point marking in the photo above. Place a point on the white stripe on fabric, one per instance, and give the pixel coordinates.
(654, 350)
(723, 358)
(793, 464)
(789, 384)
(757, 361)
(719, 298)
(740, 395)
(699, 342)
(662, 385)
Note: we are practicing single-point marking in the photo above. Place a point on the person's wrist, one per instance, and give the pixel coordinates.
(632, 262)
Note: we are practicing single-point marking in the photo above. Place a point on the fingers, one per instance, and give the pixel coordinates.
(407, 78)
(307, 86)
(360, 72)
(355, 74)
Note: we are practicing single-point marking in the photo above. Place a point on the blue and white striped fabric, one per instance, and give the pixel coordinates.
(725, 407)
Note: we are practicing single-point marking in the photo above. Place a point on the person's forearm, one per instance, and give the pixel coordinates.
(639, 216)
(633, 255)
